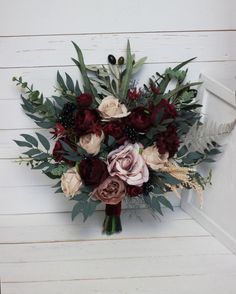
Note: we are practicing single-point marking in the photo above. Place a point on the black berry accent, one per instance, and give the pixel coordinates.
(131, 134)
(111, 59)
(66, 117)
(147, 188)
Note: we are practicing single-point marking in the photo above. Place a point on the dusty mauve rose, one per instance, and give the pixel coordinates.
(71, 182)
(127, 163)
(111, 108)
(111, 191)
(91, 143)
(153, 158)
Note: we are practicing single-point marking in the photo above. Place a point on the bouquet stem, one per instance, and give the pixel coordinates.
(112, 223)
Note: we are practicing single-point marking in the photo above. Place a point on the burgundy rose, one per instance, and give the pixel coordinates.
(92, 171)
(168, 141)
(140, 119)
(86, 121)
(58, 150)
(134, 190)
(115, 129)
(169, 110)
(84, 100)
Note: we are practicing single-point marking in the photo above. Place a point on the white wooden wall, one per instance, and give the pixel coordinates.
(35, 42)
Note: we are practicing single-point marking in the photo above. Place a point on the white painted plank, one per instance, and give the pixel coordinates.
(58, 50)
(44, 78)
(195, 284)
(42, 199)
(14, 175)
(93, 250)
(79, 16)
(119, 268)
(53, 227)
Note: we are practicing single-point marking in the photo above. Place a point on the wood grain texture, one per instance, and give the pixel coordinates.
(191, 284)
(59, 227)
(93, 250)
(42, 199)
(73, 16)
(57, 50)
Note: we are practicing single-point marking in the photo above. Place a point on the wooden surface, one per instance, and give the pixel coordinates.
(46, 253)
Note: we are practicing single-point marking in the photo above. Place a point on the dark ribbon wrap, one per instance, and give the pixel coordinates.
(113, 209)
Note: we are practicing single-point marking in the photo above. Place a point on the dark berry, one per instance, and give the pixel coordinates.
(121, 60)
(111, 59)
(131, 134)
(66, 118)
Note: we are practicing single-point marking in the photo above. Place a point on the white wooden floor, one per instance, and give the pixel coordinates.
(46, 253)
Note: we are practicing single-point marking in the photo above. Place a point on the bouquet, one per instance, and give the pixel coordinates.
(115, 140)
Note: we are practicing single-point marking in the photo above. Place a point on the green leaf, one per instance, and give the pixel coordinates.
(32, 152)
(81, 65)
(169, 179)
(45, 124)
(138, 65)
(30, 139)
(41, 165)
(61, 81)
(168, 95)
(44, 141)
(156, 205)
(22, 143)
(41, 156)
(179, 66)
(165, 202)
(128, 72)
(111, 140)
(70, 83)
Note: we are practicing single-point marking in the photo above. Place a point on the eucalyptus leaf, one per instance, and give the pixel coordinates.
(30, 139)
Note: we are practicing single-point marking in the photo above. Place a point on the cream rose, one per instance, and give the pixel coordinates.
(111, 191)
(111, 108)
(153, 158)
(91, 143)
(127, 163)
(71, 182)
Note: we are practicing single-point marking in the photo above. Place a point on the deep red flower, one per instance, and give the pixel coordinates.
(85, 121)
(58, 130)
(134, 94)
(155, 90)
(169, 110)
(140, 119)
(93, 171)
(58, 150)
(115, 129)
(84, 100)
(134, 190)
(168, 141)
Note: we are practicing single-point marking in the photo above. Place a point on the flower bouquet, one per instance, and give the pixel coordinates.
(114, 140)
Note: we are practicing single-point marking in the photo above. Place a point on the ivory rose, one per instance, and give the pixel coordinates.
(71, 182)
(111, 191)
(153, 158)
(111, 108)
(127, 163)
(91, 143)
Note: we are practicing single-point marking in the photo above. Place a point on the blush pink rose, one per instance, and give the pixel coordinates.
(127, 163)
